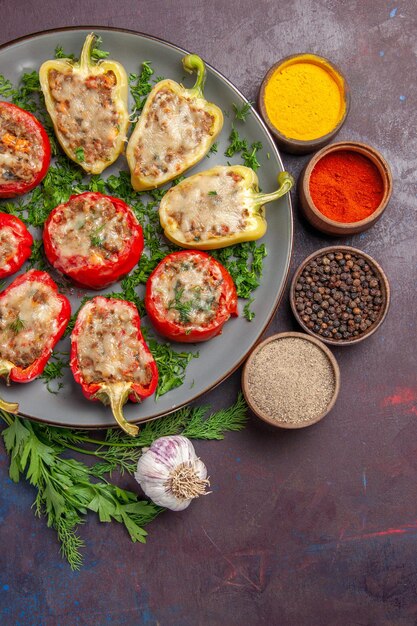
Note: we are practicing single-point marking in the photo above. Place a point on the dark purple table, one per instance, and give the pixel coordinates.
(317, 527)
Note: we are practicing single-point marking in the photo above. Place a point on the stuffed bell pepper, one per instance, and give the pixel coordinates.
(109, 357)
(175, 131)
(33, 317)
(218, 208)
(93, 239)
(190, 296)
(15, 244)
(25, 151)
(87, 102)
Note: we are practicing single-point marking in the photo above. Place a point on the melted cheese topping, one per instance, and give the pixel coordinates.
(174, 129)
(21, 151)
(108, 348)
(9, 245)
(28, 322)
(188, 291)
(85, 113)
(88, 231)
(208, 205)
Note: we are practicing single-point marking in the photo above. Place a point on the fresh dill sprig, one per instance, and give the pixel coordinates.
(242, 112)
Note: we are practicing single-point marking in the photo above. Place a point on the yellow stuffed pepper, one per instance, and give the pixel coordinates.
(218, 208)
(87, 103)
(175, 131)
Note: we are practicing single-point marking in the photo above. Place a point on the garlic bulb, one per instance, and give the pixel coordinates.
(171, 474)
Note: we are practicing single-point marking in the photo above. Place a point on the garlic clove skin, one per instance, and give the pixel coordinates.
(171, 474)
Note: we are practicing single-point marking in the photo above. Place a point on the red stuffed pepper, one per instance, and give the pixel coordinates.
(93, 239)
(33, 317)
(109, 357)
(189, 296)
(25, 151)
(15, 244)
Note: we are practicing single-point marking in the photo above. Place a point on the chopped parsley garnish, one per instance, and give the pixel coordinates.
(95, 239)
(212, 193)
(17, 325)
(60, 54)
(242, 113)
(79, 154)
(97, 53)
(237, 145)
(140, 86)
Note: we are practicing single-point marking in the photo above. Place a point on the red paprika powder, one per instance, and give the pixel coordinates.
(346, 186)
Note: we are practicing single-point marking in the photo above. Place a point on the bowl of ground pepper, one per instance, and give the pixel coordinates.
(291, 380)
(345, 188)
(340, 295)
(304, 100)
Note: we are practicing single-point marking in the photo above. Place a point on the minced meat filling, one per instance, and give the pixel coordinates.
(208, 206)
(21, 150)
(28, 322)
(188, 291)
(86, 230)
(8, 245)
(108, 349)
(173, 129)
(85, 112)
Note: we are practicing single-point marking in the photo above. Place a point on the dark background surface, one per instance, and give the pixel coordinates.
(311, 527)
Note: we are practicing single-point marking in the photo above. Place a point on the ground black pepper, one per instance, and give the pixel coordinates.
(291, 380)
(338, 296)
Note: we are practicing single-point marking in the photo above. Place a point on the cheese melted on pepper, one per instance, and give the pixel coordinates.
(9, 245)
(108, 348)
(21, 151)
(174, 128)
(188, 291)
(88, 231)
(28, 322)
(211, 205)
(85, 113)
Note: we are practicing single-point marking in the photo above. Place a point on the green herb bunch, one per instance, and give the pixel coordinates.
(67, 489)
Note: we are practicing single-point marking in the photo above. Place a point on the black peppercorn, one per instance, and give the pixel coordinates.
(339, 295)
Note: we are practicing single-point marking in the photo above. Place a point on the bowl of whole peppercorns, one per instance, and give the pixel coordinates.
(340, 295)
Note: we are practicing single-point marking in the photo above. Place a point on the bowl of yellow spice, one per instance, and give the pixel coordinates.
(304, 100)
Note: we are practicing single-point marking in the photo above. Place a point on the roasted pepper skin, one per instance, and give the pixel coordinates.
(25, 375)
(184, 333)
(87, 67)
(32, 126)
(252, 200)
(96, 275)
(117, 393)
(195, 95)
(24, 246)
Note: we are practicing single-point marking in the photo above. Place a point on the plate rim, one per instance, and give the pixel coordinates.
(279, 298)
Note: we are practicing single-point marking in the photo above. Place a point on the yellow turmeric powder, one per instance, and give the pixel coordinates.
(305, 98)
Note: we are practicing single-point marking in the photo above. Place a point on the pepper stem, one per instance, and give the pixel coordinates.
(5, 369)
(85, 59)
(116, 394)
(285, 182)
(193, 63)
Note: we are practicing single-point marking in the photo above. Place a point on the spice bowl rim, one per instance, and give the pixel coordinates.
(333, 227)
(291, 425)
(385, 288)
(300, 146)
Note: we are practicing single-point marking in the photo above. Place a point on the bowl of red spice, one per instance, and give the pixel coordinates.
(291, 380)
(345, 188)
(340, 295)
